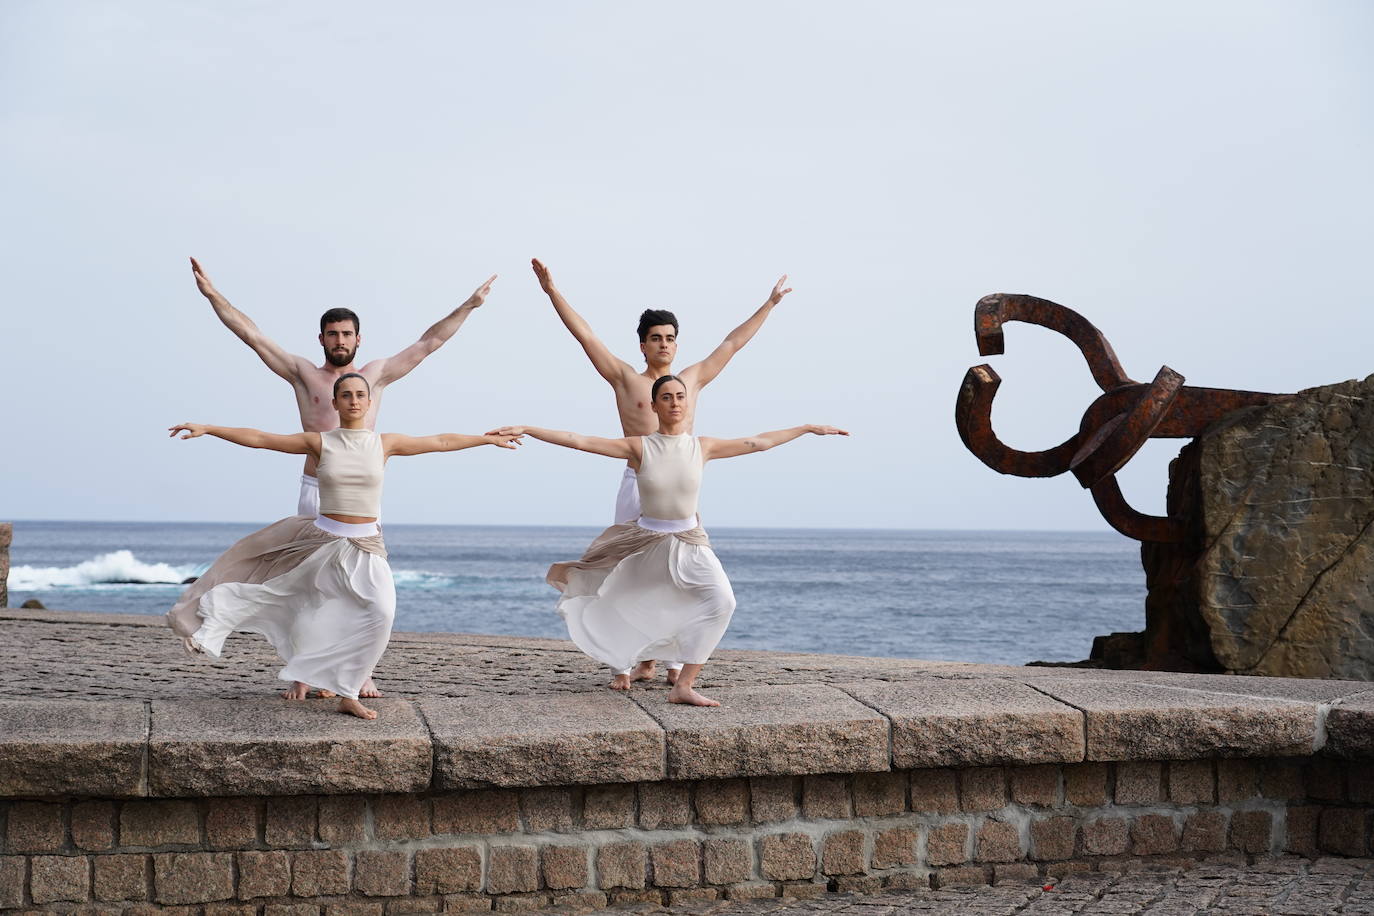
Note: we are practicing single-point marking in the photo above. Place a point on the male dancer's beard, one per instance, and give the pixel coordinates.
(335, 358)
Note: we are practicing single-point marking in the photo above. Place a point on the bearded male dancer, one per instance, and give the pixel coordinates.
(658, 343)
(314, 385)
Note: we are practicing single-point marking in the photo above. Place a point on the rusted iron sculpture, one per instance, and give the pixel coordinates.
(1114, 426)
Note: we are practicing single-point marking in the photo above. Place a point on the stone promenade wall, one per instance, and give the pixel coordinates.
(857, 777)
(670, 841)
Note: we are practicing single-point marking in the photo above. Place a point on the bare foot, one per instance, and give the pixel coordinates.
(297, 691)
(690, 697)
(644, 671)
(369, 690)
(354, 708)
(620, 682)
(326, 694)
(672, 675)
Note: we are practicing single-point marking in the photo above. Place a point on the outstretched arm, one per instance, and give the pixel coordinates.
(438, 334)
(291, 443)
(287, 365)
(395, 444)
(729, 448)
(609, 366)
(627, 448)
(710, 367)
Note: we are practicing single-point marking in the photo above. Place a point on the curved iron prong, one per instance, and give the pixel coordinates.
(1119, 514)
(973, 417)
(1110, 446)
(993, 311)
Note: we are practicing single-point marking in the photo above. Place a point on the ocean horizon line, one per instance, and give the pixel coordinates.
(569, 527)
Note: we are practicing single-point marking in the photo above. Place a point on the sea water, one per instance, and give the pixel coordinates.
(983, 596)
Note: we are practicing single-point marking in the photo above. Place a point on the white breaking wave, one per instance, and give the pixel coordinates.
(118, 568)
(123, 568)
(414, 578)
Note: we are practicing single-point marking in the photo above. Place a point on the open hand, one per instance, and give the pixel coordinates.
(507, 440)
(479, 295)
(827, 431)
(203, 283)
(778, 292)
(542, 273)
(516, 431)
(192, 430)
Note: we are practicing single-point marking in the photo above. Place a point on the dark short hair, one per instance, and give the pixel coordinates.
(340, 380)
(653, 318)
(334, 315)
(660, 382)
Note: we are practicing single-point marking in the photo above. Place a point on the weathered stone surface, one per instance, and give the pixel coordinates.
(1130, 721)
(34, 827)
(64, 747)
(450, 870)
(772, 731)
(193, 877)
(121, 877)
(1276, 576)
(54, 878)
(726, 860)
(542, 740)
(281, 747)
(1350, 728)
(6, 536)
(159, 823)
(266, 874)
(564, 867)
(938, 722)
(622, 865)
(787, 856)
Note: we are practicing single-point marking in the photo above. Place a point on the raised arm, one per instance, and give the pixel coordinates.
(609, 366)
(287, 365)
(710, 367)
(729, 448)
(395, 444)
(291, 443)
(398, 366)
(627, 448)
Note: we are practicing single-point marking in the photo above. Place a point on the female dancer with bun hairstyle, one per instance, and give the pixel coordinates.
(318, 588)
(653, 588)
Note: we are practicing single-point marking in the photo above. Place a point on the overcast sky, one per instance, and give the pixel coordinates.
(1194, 177)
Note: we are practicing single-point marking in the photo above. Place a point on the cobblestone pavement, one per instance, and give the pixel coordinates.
(1269, 887)
(70, 655)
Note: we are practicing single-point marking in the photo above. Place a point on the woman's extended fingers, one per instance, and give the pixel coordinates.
(831, 431)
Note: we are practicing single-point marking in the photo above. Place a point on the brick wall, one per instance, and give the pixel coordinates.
(668, 841)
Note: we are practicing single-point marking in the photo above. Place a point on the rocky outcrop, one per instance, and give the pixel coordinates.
(1277, 575)
(6, 535)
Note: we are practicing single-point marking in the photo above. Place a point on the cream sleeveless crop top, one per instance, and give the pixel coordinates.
(669, 476)
(350, 472)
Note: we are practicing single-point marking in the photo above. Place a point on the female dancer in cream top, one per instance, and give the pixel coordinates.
(653, 588)
(318, 588)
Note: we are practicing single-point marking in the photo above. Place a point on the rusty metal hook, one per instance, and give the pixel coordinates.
(1114, 427)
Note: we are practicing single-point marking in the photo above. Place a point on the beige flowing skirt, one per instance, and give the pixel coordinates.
(325, 603)
(638, 594)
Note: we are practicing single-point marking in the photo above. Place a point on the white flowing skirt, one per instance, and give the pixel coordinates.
(670, 599)
(328, 616)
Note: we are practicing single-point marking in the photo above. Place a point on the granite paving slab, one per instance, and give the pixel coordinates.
(284, 747)
(56, 747)
(771, 731)
(1132, 721)
(1350, 727)
(940, 722)
(558, 739)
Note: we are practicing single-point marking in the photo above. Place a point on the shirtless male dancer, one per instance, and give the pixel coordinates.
(314, 385)
(658, 343)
